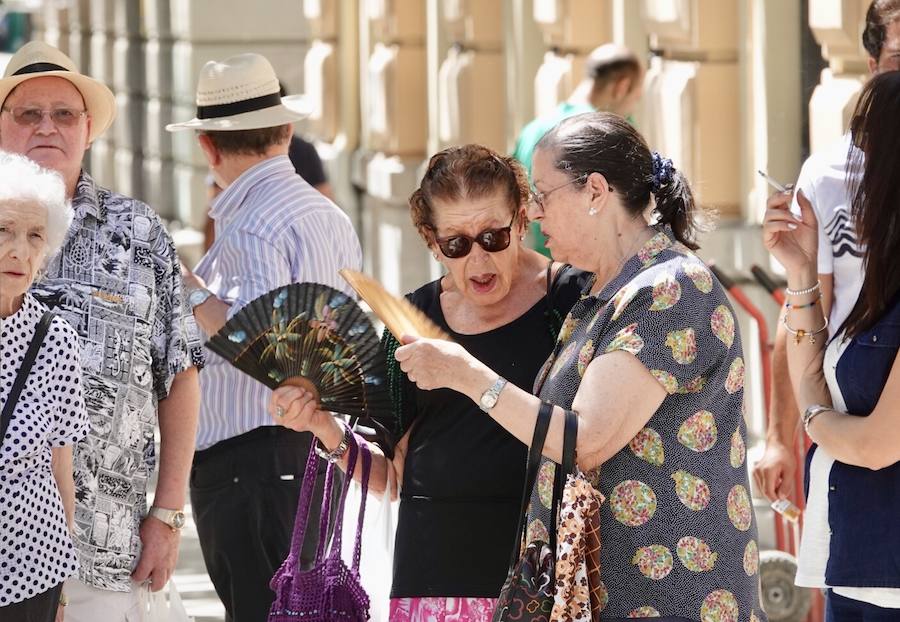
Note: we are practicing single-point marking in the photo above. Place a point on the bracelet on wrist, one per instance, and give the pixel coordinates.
(815, 301)
(801, 292)
(340, 450)
(811, 413)
(800, 333)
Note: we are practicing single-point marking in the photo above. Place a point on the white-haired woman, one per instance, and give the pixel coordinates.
(43, 412)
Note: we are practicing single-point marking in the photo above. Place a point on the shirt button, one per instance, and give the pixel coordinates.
(874, 337)
(832, 488)
(237, 479)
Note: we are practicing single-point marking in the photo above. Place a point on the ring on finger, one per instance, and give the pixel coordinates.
(279, 412)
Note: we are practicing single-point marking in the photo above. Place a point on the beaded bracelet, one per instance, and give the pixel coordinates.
(788, 305)
(800, 333)
(801, 292)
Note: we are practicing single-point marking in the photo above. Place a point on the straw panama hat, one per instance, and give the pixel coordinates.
(36, 59)
(241, 93)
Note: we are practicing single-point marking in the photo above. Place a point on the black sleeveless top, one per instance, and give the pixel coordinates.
(463, 475)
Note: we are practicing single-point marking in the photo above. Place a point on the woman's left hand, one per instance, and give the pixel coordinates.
(438, 364)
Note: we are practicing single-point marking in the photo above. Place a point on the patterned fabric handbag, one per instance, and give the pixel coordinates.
(528, 593)
(580, 595)
(329, 591)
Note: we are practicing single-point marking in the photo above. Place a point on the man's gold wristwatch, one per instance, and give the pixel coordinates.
(172, 518)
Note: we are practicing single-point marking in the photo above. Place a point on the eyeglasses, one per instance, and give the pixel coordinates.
(538, 198)
(491, 240)
(32, 117)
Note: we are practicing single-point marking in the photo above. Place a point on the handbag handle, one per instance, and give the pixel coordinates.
(535, 451)
(357, 449)
(360, 521)
(325, 522)
(34, 347)
(305, 500)
(563, 470)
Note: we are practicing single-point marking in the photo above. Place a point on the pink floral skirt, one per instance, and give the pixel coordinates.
(441, 609)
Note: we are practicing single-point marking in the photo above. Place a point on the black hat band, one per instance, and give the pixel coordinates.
(245, 105)
(38, 68)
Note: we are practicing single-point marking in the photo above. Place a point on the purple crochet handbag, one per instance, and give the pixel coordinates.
(329, 591)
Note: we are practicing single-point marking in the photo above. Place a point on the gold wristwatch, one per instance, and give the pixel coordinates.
(172, 518)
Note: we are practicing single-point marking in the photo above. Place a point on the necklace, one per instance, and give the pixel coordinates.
(639, 240)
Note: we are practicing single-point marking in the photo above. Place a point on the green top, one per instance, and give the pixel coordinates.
(529, 137)
(533, 132)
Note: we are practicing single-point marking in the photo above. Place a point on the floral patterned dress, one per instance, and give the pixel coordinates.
(678, 529)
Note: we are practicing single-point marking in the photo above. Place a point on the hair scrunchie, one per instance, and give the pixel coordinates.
(663, 172)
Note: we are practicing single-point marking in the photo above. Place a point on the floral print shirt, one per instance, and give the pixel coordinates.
(678, 530)
(117, 280)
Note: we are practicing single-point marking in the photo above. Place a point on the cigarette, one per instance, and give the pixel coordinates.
(772, 182)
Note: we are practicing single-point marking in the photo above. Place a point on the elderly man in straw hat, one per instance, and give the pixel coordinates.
(271, 228)
(117, 280)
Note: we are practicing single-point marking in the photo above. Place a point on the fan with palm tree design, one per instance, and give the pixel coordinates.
(312, 336)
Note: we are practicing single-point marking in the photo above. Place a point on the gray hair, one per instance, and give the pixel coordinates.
(24, 181)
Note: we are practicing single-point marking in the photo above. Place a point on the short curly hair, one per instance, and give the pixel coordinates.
(24, 181)
(466, 172)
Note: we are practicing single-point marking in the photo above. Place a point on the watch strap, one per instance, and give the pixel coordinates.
(489, 398)
(811, 413)
(167, 516)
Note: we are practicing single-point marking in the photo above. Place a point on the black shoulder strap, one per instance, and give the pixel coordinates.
(554, 318)
(535, 452)
(554, 279)
(563, 470)
(30, 357)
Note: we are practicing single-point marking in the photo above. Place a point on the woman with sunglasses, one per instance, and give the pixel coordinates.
(650, 360)
(460, 475)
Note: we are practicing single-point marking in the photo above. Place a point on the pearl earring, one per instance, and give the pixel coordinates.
(592, 211)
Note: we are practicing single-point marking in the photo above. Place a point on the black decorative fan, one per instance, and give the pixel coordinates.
(313, 336)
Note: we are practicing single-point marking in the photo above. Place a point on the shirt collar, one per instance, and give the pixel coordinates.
(226, 205)
(663, 239)
(86, 201)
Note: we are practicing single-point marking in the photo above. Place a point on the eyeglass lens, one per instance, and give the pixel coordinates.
(61, 117)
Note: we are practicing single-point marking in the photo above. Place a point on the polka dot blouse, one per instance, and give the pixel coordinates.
(36, 552)
(678, 530)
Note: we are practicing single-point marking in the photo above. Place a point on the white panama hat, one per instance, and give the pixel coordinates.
(241, 93)
(36, 59)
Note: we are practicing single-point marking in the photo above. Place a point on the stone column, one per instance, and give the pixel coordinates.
(771, 112)
(331, 83)
(394, 138)
(692, 103)
(470, 63)
(159, 165)
(837, 26)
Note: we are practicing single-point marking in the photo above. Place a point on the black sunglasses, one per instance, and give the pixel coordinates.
(491, 240)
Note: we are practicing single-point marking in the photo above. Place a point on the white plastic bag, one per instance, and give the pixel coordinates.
(163, 606)
(376, 564)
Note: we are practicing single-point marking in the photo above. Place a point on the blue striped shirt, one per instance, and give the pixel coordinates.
(272, 228)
